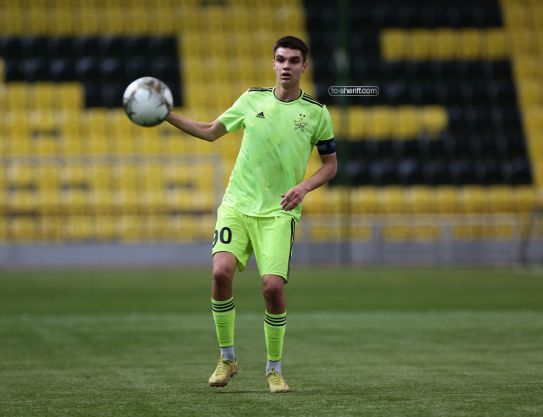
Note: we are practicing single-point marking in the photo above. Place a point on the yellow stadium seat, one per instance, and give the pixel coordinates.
(126, 176)
(129, 228)
(380, 123)
(334, 201)
(525, 199)
(22, 201)
(43, 96)
(22, 229)
(364, 200)
(36, 18)
(153, 201)
(496, 44)
(523, 42)
(516, 16)
(501, 199)
(313, 202)
(88, 22)
(79, 228)
(470, 43)
(204, 176)
(50, 228)
(202, 201)
(393, 44)
(105, 228)
(406, 123)
(391, 200)
(418, 44)
(102, 201)
(74, 175)
(530, 94)
(70, 96)
(100, 176)
(18, 97)
(112, 20)
(421, 200)
(62, 18)
(447, 46)
(528, 67)
(474, 200)
(126, 200)
(157, 227)
(20, 175)
(447, 199)
(75, 201)
(13, 21)
(433, 119)
(152, 176)
(3, 227)
(49, 201)
(47, 177)
(358, 123)
(2, 81)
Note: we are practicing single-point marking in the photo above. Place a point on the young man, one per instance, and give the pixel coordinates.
(262, 201)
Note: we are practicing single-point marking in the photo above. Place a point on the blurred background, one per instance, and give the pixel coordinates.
(443, 167)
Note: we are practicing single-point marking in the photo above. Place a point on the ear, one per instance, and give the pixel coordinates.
(304, 66)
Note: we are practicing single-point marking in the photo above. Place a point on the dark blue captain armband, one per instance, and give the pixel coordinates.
(326, 147)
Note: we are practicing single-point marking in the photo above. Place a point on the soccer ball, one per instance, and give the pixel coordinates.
(147, 101)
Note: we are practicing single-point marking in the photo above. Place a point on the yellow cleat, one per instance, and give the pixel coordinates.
(224, 371)
(276, 383)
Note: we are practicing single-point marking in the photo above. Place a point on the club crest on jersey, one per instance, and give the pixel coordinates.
(300, 124)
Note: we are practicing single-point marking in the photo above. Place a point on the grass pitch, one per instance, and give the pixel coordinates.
(368, 342)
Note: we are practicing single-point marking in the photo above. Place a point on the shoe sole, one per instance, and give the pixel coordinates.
(280, 392)
(219, 385)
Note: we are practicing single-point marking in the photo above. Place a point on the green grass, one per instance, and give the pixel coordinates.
(369, 342)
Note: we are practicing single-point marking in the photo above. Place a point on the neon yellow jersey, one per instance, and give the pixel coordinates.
(277, 142)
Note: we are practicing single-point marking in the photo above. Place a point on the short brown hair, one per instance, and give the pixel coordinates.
(292, 42)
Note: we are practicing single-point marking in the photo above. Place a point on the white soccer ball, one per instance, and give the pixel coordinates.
(147, 101)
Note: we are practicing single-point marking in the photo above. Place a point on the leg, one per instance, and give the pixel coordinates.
(273, 247)
(231, 249)
(222, 302)
(224, 315)
(275, 320)
(273, 289)
(224, 267)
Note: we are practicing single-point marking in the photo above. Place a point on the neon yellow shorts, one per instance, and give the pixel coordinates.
(269, 238)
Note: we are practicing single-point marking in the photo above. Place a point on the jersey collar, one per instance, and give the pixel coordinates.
(288, 102)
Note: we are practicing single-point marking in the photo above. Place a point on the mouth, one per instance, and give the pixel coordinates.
(286, 75)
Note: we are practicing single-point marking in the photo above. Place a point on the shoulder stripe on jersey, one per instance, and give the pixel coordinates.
(312, 101)
(260, 89)
(310, 97)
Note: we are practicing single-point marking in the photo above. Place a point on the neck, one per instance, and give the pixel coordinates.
(287, 93)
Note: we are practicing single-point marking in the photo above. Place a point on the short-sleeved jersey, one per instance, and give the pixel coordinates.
(278, 139)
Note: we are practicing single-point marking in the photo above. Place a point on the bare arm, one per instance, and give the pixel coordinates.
(202, 130)
(325, 173)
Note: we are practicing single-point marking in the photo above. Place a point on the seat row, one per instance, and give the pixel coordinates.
(326, 201)
(108, 228)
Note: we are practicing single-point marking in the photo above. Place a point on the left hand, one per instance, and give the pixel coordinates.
(293, 197)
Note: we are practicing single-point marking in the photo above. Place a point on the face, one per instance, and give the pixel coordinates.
(289, 66)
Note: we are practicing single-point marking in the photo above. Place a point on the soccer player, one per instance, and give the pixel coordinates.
(261, 204)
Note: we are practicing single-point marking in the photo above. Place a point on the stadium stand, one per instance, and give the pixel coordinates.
(456, 129)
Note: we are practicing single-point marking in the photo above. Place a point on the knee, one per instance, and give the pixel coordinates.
(272, 290)
(222, 276)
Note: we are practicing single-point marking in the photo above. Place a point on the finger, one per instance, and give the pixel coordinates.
(286, 199)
